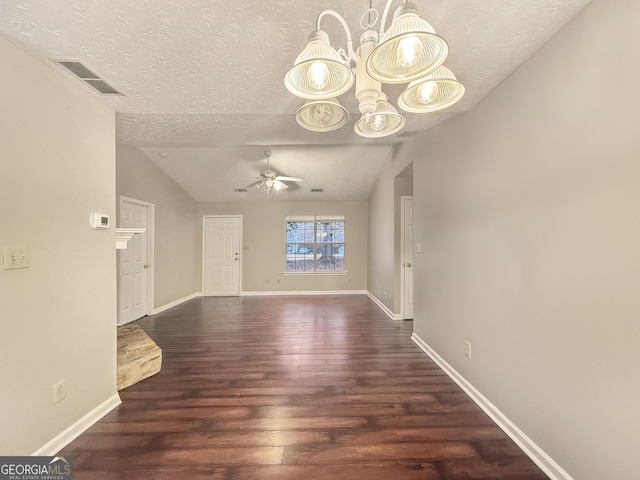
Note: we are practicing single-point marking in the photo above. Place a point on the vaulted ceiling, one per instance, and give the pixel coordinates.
(202, 80)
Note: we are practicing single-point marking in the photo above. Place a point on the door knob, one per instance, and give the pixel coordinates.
(146, 266)
(407, 264)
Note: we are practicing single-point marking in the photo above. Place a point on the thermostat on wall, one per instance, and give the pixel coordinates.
(99, 220)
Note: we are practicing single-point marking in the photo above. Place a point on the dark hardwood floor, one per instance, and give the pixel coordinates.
(291, 388)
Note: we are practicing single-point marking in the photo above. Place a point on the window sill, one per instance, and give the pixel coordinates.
(338, 272)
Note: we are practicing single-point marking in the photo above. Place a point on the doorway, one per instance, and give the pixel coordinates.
(221, 260)
(406, 255)
(135, 263)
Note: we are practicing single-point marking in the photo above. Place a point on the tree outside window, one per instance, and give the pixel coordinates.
(315, 243)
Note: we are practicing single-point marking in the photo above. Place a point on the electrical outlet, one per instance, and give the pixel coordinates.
(58, 392)
(467, 349)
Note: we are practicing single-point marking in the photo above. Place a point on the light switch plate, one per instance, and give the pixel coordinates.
(16, 257)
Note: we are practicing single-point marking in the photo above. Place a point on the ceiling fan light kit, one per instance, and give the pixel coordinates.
(409, 52)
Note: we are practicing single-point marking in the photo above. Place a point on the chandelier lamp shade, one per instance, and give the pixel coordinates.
(319, 72)
(433, 92)
(407, 51)
(385, 119)
(410, 52)
(322, 115)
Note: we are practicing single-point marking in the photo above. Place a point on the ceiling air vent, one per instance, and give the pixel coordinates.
(317, 190)
(240, 190)
(85, 74)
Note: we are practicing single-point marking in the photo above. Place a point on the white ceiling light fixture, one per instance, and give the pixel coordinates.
(410, 51)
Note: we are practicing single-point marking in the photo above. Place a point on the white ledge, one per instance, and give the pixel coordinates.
(123, 235)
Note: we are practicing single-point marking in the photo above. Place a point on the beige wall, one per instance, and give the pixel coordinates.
(58, 317)
(177, 257)
(528, 213)
(264, 251)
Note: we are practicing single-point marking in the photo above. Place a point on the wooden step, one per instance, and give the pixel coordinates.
(138, 356)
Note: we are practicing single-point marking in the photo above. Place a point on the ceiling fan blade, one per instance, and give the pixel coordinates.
(254, 184)
(288, 179)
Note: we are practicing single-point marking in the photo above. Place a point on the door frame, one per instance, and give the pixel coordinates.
(240, 248)
(403, 286)
(151, 213)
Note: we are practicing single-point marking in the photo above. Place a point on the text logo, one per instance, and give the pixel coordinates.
(35, 468)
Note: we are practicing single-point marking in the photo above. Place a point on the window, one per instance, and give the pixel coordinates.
(315, 244)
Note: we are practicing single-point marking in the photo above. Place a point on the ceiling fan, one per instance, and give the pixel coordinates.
(269, 179)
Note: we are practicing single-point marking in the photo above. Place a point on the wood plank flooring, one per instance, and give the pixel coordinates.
(304, 388)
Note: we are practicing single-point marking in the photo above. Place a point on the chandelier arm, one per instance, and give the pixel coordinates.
(351, 54)
(384, 16)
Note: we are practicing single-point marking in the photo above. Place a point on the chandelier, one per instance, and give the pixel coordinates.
(409, 52)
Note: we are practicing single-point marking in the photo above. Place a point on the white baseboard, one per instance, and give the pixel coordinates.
(392, 316)
(176, 303)
(302, 293)
(63, 439)
(528, 446)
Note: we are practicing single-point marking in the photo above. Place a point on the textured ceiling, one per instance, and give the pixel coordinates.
(345, 172)
(204, 74)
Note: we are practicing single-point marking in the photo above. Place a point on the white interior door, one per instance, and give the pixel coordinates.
(407, 252)
(133, 264)
(221, 256)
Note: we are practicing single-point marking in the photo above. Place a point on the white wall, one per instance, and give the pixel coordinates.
(177, 257)
(528, 213)
(264, 249)
(58, 317)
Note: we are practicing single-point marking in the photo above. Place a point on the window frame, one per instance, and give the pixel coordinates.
(315, 219)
